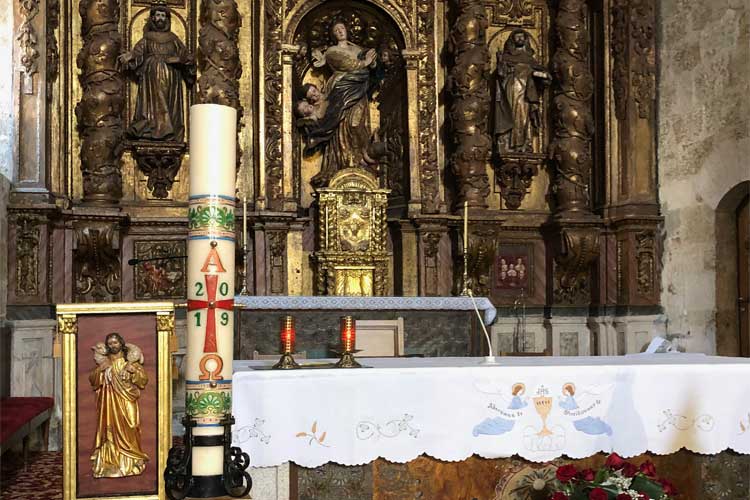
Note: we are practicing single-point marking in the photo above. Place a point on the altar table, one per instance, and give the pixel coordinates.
(297, 303)
(450, 408)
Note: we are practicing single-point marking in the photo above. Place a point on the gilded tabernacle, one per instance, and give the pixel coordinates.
(118, 380)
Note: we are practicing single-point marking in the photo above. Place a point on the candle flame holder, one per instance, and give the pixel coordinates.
(348, 341)
(287, 362)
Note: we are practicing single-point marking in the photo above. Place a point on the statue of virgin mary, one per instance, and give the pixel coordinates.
(343, 129)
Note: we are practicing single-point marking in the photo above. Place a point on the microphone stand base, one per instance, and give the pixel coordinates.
(489, 361)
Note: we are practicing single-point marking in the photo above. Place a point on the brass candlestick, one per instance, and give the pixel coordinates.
(348, 341)
(465, 277)
(465, 284)
(287, 362)
(242, 271)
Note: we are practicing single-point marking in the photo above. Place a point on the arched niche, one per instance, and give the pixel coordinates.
(729, 337)
(371, 26)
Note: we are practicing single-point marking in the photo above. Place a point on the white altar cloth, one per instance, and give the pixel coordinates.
(296, 302)
(450, 408)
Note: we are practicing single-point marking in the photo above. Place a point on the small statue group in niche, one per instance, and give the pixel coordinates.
(160, 62)
(337, 118)
(513, 274)
(520, 81)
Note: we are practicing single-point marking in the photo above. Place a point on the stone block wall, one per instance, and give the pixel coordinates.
(703, 151)
(6, 163)
(4, 331)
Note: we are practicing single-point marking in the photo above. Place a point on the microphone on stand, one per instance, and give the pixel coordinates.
(491, 359)
(135, 262)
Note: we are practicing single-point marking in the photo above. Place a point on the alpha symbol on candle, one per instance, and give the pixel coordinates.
(213, 264)
(212, 281)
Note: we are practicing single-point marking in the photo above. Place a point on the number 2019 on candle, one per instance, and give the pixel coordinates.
(223, 318)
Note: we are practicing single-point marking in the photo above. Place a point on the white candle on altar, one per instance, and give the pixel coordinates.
(211, 267)
(466, 226)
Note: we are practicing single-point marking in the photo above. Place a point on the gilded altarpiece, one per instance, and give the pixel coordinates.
(567, 181)
(540, 114)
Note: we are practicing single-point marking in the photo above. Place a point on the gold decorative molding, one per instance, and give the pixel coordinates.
(276, 248)
(28, 39)
(67, 324)
(165, 322)
(53, 50)
(272, 161)
(633, 48)
(428, 173)
(28, 237)
(96, 262)
(578, 249)
(645, 256)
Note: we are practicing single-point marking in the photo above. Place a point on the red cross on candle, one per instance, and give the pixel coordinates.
(212, 280)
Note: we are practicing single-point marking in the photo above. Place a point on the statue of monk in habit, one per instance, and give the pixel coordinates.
(160, 62)
(118, 380)
(519, 87)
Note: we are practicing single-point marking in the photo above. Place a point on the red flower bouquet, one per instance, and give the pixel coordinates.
(618, 479)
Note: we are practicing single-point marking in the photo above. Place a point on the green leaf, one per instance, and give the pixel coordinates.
(647, 486)
(601, 475)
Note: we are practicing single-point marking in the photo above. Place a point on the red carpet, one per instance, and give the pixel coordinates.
(40, 480)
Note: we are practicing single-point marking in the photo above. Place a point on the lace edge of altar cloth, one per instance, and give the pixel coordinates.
(492, 456)
(279, 302)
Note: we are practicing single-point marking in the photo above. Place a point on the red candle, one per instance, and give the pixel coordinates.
(287, 334)
(348, 334)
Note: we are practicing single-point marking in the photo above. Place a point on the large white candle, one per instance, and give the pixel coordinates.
(211, 246)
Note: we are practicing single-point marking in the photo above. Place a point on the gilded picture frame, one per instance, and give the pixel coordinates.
(81, 329)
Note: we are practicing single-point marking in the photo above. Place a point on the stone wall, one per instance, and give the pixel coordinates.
(6, 171)
(4, 331)
(703, 151)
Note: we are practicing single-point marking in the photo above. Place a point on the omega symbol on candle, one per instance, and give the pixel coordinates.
(210, 367)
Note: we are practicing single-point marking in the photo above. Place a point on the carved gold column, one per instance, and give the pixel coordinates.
(431, 195)
(574, 229)
(289, 52)
(218, 56)
(471, 101)
(412, 88)
(632, 206)
(270, 89)
(99, 112)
